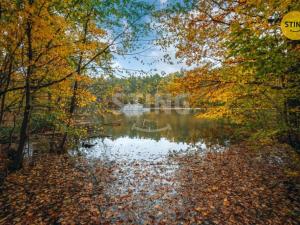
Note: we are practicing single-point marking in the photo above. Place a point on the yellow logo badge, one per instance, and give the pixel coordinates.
(290, 25)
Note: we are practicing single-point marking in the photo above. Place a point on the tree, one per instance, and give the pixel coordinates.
(48, 48)
(249, 70)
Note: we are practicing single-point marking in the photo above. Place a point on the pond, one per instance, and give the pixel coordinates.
(141, 146)
(146, 135)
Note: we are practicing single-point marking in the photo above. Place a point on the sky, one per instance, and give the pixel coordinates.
(149, 58)
(150, 61)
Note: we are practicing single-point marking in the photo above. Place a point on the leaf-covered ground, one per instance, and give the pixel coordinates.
(56, 190)
(242, 185)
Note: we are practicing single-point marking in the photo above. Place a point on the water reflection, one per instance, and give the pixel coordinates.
(184, 128)
(134, 148)
(142, 151)
(155, 134)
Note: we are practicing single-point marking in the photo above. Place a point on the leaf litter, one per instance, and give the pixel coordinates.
(236, 186)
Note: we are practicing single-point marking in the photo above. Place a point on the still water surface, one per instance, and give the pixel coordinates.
(143, 150)
(154, 134)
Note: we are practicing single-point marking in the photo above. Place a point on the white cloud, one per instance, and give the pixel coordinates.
(151, 61)
(116, 64)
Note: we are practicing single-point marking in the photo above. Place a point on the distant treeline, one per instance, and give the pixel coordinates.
(141, 89)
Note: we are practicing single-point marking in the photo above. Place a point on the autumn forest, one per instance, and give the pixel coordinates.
(150, 112)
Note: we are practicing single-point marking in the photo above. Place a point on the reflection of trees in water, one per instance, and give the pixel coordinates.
(184, 128)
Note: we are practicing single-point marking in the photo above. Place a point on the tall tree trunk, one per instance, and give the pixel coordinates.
(75, 87)
(17, 164)
(72, 106)
(2, 107)
(289, 106)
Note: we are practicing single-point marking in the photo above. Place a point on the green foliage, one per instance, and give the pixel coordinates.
(253, 74)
